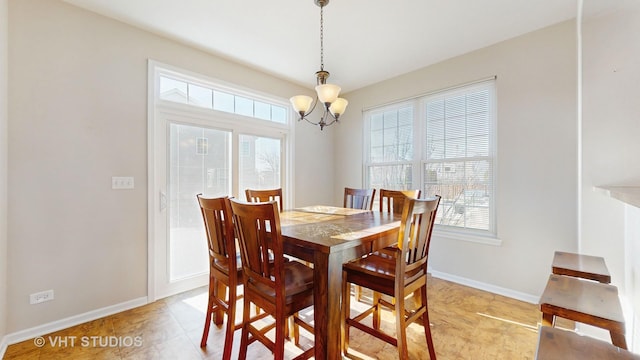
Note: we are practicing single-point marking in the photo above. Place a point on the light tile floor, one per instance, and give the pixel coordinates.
(466, 324)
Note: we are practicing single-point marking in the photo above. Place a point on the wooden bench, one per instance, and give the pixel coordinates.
(584, 301)
(555, 344)
(582, 266)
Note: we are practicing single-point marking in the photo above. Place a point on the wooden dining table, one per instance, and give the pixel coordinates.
(328, 237)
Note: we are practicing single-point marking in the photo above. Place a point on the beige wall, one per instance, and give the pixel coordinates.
(78, 115)
(537, 141)
(611, 133)
(3, 166)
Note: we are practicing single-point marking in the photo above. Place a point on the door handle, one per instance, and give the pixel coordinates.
(162, 200)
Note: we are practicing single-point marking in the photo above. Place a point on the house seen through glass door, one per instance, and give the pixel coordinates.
(199, 163)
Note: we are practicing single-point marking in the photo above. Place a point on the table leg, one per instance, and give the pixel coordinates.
(327, 293)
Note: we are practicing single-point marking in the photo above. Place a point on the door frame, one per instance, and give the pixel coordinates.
(236, 124)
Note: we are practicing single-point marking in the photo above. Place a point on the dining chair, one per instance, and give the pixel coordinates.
(225, 270)
(393, 200)
(254, 196)
(359, 198)
(278, 287)
(403, 273)
(390, 201)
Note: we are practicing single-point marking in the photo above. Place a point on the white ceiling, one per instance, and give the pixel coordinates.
(365, 41)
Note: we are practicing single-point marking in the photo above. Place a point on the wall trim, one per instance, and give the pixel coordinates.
(532, 299)
(3, 346)
(74, 320)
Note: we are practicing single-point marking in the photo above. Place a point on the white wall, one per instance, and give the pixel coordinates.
(611, 133)
(3, 166)
(78, 115)
(537, 141)
(611, 128)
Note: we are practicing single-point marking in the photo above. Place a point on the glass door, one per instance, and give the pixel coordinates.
(192, 159)
(198, 164)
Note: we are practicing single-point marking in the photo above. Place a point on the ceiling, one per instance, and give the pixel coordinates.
(365, 41)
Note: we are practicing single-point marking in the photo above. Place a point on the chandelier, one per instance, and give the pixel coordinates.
(326, 94)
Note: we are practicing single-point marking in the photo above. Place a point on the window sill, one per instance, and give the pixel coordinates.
(474, 238)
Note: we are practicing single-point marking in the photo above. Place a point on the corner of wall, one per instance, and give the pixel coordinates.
(4, 73)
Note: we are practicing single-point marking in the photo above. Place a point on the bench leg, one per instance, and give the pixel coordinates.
(618, 340)
(548, 320)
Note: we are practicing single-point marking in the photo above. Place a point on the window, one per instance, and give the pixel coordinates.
(257, 128)
(391, 148)
(185, 92)
(443, 143)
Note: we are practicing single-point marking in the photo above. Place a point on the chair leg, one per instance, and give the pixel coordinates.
(376, 310)
(295, 329)
(220, 292)
(427, 324)
(244, 339)
(208, 316)
(346, 313)
(231, 325)
(401, 327)
(281, 325)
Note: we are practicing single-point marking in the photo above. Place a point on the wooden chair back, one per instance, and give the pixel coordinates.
(216, 214)
(414, 237)
(254, 196)
(224, 272)
(393, 200)
(359, 198)
(257, 227)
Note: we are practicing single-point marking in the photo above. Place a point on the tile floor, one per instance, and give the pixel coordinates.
(466, 324)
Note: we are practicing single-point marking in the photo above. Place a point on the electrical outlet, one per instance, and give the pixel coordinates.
(39, 297)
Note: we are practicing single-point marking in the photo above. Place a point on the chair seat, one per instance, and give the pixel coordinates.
(376, 264)
(584, 301)
(554, 343)
(377, 272)
(580, 265)
(298, 278)
(223, 265)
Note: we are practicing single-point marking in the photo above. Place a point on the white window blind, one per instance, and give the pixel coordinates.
(459, 156)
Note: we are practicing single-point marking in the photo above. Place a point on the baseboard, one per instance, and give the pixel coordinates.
(532, 299)
(3, 346)
(57, 325)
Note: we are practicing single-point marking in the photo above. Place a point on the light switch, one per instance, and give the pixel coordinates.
(121, 182)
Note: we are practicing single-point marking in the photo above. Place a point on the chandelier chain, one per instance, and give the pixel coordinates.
(321, 38)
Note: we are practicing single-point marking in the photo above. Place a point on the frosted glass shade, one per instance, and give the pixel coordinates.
(301, 103)
(338, 107)
(327, 93)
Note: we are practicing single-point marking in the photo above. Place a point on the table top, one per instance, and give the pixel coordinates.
(329, 229)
